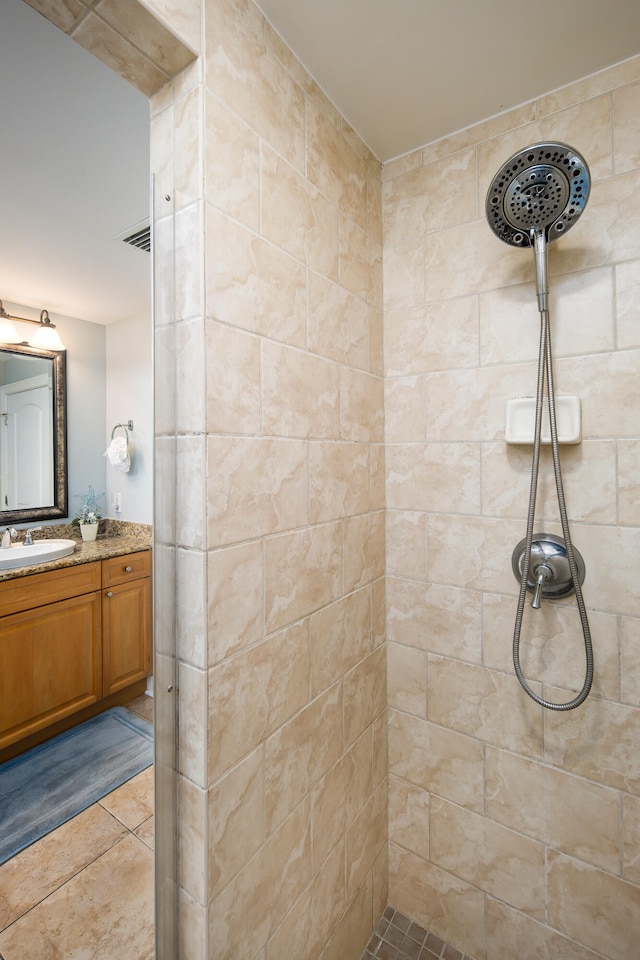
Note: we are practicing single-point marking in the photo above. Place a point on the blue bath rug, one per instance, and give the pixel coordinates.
(49, 784)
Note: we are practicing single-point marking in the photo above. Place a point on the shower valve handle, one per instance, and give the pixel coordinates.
(542, 573)
(549, 572)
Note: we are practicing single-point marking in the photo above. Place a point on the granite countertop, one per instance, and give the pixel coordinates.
(115, 538)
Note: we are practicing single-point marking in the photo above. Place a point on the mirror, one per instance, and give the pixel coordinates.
(33, 434)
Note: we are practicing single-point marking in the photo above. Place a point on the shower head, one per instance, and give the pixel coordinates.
(536, 196)
(541, 190)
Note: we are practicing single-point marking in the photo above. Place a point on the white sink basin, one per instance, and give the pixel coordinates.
(40, 551)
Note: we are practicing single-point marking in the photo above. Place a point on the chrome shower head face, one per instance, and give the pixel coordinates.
(542, 189)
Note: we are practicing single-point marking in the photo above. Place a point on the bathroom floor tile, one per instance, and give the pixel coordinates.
(105, 911)
(146, 832)
(142, 706)
(132, 802)
(86, 889)
(36, 872)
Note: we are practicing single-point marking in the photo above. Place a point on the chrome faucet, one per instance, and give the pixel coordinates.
(28, 539)
(7, 537)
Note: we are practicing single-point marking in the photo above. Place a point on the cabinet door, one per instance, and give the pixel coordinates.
(50, 665)
(126, 638)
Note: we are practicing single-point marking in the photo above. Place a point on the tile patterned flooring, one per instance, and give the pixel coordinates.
(396, 937)
(86, 889)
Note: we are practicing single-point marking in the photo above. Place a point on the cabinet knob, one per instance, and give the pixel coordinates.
(127, 569)
(110, 593)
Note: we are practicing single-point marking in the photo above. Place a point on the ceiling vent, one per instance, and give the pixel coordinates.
(138, 236)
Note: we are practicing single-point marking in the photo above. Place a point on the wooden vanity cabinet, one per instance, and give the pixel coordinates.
(70, 638)
(126, 620)
(50, 648)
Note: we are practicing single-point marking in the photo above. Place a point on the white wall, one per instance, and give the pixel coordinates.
(86, 399)
(109, 381)
(129, 397)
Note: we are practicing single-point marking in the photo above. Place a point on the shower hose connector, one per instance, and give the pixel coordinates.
(540, 249)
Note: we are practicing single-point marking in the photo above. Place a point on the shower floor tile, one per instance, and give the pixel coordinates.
(397, 937)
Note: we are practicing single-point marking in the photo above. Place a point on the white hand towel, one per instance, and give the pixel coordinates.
(118, 454)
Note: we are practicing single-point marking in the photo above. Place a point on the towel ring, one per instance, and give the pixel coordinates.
(123, 426)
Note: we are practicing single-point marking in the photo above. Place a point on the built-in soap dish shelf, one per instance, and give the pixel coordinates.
(521, 419)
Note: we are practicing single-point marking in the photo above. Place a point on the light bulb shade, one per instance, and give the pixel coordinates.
(8, 331)
(46, 336)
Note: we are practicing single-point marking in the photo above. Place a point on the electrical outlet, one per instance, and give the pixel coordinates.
(117, 502)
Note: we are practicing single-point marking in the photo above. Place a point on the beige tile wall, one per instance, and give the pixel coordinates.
(513, 834)
(145, 46)
(276, 345)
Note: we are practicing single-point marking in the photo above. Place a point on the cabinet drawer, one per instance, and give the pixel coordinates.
(25, 593)
(132, 566)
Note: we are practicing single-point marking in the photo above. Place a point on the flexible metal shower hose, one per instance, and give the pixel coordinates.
(545, 375)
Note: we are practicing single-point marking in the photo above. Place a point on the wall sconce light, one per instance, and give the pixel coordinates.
(46, 336)
(8, 332)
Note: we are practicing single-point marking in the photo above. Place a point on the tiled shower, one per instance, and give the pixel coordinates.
(342, 749)
(273, 233)
(517, 828)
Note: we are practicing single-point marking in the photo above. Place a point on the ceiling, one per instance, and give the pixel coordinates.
(74, 167)
(406, 72)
